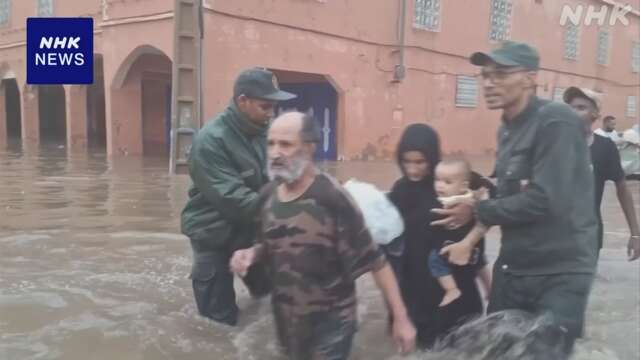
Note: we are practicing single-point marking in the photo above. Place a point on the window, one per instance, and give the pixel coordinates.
(603, 47)
(5, 11)
(635, 57)
(467, 91)
(558, 93)
(427, 14)
(500, 20)
(571, 41)
(632, 106)
(45, 7)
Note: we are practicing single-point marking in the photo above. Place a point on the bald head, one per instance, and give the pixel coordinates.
(289, 121)
(304, 124)
(291, 144)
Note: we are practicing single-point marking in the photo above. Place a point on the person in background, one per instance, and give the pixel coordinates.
(608, 129)
(606, 164)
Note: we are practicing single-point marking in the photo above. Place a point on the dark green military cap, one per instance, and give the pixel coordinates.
(510, 53)
(260, 83)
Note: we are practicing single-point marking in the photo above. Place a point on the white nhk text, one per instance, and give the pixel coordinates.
(59, 58)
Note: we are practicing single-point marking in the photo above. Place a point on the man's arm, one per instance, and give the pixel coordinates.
(626, 203)
(404, 333)
(615, 173)
(460, 252)
(241, 260)
(549, 189)
(214, 176)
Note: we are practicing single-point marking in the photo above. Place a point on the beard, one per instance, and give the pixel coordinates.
(278, 169)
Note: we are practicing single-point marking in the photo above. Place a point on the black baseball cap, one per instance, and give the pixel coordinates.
(510, 53)
(260, 83)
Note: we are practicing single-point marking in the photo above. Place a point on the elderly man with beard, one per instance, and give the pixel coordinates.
(315, 245)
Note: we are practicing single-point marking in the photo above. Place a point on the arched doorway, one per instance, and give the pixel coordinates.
(52, 113)
(141, 92)
(12, 108)
(317, 97)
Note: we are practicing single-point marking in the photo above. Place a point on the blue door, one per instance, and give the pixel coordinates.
(320, 101)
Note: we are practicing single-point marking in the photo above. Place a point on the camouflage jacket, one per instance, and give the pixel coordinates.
(315, 248)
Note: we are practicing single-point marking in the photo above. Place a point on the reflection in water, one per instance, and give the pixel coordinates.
(93, 267)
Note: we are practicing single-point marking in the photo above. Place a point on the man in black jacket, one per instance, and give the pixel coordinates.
(545, 195)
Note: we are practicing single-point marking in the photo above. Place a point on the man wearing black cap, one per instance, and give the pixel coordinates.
(227, 166)
(544, 202)
(606, 164)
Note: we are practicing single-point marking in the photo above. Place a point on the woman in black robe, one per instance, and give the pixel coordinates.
(414, 196)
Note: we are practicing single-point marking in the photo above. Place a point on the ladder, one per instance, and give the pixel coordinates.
(186, 79)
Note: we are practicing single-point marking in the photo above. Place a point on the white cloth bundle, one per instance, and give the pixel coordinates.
(381, 217)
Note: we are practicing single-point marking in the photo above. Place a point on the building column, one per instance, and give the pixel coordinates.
(3, 116)
(76, 110)
(124, 120)
(30, 115)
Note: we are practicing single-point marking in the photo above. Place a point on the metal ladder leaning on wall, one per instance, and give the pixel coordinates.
(186, 88)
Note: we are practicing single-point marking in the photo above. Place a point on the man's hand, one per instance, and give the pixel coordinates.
(241, 260)
(455, 217)
(404, 334)
(633, 248)
(458, 253)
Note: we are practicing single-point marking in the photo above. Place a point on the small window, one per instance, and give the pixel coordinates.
(5, 11)
(635, 57)
(45, 7)
(603, 47)
(558, 94)
(632, 106)
(427, 15)
(571, 41)
(467, 91)
(500, 20)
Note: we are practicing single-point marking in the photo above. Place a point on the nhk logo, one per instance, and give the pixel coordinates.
(56, 58)
(59, 50)
(574, 15)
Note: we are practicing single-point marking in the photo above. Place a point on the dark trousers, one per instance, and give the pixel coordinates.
(213, 290)
(563, 296)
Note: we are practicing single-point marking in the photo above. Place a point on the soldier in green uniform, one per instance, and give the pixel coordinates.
(315, 245)
(226, 165)
(545, 196)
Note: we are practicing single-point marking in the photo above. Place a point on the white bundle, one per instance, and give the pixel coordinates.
(381, 217)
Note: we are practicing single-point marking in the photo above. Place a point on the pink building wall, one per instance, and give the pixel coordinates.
(353, 44)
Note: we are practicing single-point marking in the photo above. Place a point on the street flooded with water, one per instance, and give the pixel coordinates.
(93, 266)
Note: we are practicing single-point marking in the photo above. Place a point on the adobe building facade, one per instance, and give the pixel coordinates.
(363, 67)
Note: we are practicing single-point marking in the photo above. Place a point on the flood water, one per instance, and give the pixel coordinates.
(92, 266)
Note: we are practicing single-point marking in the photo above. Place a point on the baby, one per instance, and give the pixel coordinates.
(452, 180)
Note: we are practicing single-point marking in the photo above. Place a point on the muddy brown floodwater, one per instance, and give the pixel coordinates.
(92, 266)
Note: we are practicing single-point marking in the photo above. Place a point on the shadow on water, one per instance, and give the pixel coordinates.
(94, 267)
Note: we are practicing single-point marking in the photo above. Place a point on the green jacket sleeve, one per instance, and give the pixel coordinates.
(214, 176)
(547, 193)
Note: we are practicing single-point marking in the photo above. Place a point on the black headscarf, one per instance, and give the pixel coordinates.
(406, 194)
(422, 138)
